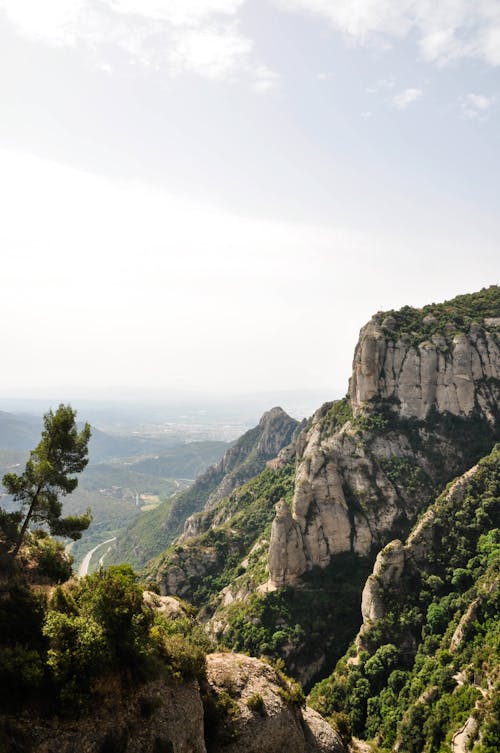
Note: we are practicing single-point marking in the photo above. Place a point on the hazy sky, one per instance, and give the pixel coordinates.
(215, 195)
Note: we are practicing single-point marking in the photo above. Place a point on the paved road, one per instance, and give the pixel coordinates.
(84, 567)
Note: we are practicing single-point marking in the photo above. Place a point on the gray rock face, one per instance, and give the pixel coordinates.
(391, 561)
(358, 487)
(387, 570)
(286, 553)
(343, 500)
(456, 377)
(118, 723)
(277, 725)
(243, 461)
(167, 715)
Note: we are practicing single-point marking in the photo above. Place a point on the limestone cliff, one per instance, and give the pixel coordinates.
(414, 374)
(422, 407)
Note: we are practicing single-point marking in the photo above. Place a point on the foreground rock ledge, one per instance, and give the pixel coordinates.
(168, 716)
(278, 725)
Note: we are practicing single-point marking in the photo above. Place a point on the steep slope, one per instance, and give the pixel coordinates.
(154, 531)
(425, 665)
(423, 405)
(365, 467)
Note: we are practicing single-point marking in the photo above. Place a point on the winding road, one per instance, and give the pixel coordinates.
(84, 567)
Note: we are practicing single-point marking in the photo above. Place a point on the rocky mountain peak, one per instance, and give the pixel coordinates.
(423, 404)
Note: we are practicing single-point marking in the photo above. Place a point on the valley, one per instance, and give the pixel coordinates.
(353, 556)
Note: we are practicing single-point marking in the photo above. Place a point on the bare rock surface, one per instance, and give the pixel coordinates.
(277, 725)
(454, 377)
(359, 485)
(156, 716)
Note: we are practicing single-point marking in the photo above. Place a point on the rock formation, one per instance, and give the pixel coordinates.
(157, 716)
(244, 460)
(169, 716)
(393, 558)
(286, 553)
(414, 396)
(457, 376)
(263, 719)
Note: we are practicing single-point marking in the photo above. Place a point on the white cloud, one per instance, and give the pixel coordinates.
(54, 22)
(474, 106)
(265, 79)
(447, 30)
(195, 36)
(406, 97)
(212, 52)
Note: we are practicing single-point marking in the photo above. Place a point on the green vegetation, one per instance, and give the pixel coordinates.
(410, 683)
(255, 702)
(404, 472)
(247, 516)
(334, 415)
(62, 451)
(302, 624)
(148, 537)
(53, 654)
(448, 318)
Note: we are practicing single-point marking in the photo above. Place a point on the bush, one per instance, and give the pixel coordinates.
(52, 560)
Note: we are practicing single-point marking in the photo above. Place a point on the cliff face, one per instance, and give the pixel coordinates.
(430, 613)
(422, 406)
(159, 716)
(263, 718)
(246, 459)
(451, 374)
(245, 705)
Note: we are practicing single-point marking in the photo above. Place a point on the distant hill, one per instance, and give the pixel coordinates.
(19, 432)
(148, 536)
(125, 475)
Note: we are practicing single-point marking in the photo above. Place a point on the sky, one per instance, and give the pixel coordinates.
(213, 196)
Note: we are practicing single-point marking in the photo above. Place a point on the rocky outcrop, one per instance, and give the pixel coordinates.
(286, 554)
(362, 481)
(395, 557)
(243, 461)
(158, 716)
(168, 606)
(457, 375)
(264, 718)
(248, 457)
(387, 570)
(261, 716)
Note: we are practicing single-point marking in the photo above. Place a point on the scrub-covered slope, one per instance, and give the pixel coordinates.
(422, 407)
(153, 532)
(425, 667)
